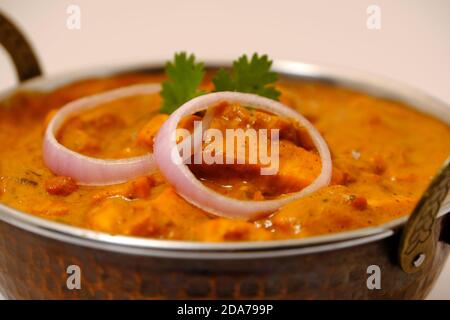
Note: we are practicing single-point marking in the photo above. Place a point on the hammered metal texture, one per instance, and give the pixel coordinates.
(417, 240)
(19, 49)
(34, 267)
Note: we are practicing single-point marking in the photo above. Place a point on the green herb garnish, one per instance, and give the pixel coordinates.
(252, 76)
(185, 76)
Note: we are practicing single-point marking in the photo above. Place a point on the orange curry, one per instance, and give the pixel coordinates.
(384, 155)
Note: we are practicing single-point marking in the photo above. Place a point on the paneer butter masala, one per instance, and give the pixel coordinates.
(383, 156)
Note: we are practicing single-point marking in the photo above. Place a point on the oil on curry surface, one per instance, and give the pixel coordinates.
(384, 155)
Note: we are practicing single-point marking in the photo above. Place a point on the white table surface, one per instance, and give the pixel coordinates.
(412, 44)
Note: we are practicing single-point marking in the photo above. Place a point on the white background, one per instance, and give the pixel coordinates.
(412, 46)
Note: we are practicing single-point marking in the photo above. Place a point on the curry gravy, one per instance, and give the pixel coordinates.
(384, 155)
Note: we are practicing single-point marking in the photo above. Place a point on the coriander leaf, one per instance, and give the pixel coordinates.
(252, 76)
(185, 76)
(223, 82)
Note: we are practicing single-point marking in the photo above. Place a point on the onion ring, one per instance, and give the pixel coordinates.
(193, 190)
(88, 170)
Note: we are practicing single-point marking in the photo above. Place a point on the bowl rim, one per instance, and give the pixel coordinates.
(347, 77)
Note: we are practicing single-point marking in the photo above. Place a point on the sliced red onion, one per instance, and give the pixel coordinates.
(87, 170)
(195, 192)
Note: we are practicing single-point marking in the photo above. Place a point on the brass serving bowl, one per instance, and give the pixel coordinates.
(35, 253)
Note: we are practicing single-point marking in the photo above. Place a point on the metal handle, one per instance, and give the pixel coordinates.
(25, 61)
(418, 241)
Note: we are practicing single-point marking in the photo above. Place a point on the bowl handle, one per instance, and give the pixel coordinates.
(22, 55)
(419, 239)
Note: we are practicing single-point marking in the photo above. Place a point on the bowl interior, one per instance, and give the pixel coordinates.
(364, 82)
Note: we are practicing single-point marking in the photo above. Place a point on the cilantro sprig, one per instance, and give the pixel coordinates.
(247, 75)
(185, 76)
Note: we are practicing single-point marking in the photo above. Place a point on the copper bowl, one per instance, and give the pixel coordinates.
(36, 255)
